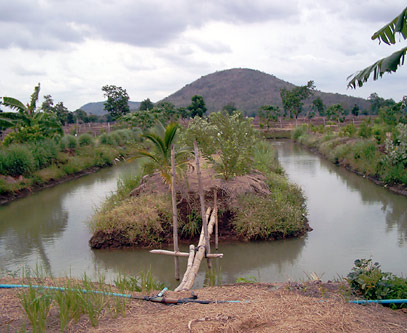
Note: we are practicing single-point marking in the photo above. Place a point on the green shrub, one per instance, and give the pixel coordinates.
(44, 152)
(68, 141)
(262, 218)
(106, 139)
(104, 156)
(365, 131)
(18, 160)
(348, 130)
(299, 131)
(85, 140)
(367, 280)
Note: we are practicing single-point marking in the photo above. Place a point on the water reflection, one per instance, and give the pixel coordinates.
(28, 225)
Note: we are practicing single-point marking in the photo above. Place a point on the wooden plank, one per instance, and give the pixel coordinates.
(183, 254)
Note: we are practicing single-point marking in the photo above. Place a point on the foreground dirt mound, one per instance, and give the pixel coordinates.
(264, 308)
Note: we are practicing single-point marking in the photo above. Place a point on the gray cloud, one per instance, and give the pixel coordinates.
(48, 25)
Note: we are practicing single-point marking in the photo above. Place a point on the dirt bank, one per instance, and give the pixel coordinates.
(289, 307)
(10, 196)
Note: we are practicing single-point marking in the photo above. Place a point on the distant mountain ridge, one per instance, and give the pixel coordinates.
(249, 89)
(98, 108)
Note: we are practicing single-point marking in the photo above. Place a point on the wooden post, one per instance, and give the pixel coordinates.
(202, 200)
(215, 211)
(174, 213)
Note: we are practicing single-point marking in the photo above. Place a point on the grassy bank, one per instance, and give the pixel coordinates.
(146, 220)
(33, 165)
(373, 150)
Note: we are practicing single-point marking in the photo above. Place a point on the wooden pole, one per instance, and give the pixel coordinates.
(190, 279)
(174, 213)
(182, 254)
(202, 200)
(215, 212)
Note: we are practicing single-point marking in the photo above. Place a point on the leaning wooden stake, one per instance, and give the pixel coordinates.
(190, 275)
(174, 213)
(183, 254)
(202, 200)
(215, 212)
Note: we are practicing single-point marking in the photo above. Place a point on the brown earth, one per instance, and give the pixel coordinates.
(290, 307)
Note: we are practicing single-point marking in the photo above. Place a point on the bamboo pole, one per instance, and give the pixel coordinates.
(190, 275)
(202, 200)
(215, 212)
(182, 254)
(174, 213)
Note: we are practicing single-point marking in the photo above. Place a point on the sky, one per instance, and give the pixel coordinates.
(153, 48)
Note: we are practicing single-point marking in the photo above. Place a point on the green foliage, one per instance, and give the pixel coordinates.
(192, 226)
(367, 280)
(396, 155)
(146, 105)
(298, 132)
(160, 155)
(336, 113)
(17, 160)
(197, 107)
(292, 99)
(231, 138)
(36, 304)
(348, 130)
(387, 34)
(365, 130)
(85, 140)
(269, 114)
(318, 106)
(69, 142)
(117, 103)
(44, 153)
(28, 123)
(249, 279)
(142, 282)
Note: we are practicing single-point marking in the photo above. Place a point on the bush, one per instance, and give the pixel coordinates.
(106, 139)
(44, 152)
(17, 160)
(68, 141)
(299, 131)
(348, 130)
(365, 131)
(85, 140)
(367, 280)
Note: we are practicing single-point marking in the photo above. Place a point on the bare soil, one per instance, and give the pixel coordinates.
(290, 307)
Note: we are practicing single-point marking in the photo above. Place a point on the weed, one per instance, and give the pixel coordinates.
(249, 279)
(36, 304)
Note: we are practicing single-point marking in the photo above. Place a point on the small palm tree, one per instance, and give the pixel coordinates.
(162, 140)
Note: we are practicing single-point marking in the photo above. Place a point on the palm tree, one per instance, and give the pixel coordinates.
(28, 119)
(162, 140)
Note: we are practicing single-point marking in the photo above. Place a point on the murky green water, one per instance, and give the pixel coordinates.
(351, 217)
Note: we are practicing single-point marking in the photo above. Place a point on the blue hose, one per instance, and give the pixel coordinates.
(380, 301)
(158, 298)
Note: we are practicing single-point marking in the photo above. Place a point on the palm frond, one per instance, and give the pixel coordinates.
(14, 104)
(388, 32)
(157, 141)
(142, 153)
(388, 64)
(169, 135)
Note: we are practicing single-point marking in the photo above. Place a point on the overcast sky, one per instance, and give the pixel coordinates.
(152, 48)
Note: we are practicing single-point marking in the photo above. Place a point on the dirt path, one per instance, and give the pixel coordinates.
(292, 307)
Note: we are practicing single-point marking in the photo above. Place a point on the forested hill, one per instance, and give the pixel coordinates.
(98, 108)
(249, 89)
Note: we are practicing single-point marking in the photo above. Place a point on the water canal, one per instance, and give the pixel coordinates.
(351, 217)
